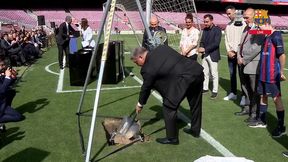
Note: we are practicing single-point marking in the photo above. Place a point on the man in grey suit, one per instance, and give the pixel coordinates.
(248, 57)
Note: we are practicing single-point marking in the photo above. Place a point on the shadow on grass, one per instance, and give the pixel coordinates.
(113, 152)
(98, 153)
(225, 84)
(11, 135)
(127, 70)
(272, 124)
(158, 117)
(111, 102)
(29, 154)
(33, 106)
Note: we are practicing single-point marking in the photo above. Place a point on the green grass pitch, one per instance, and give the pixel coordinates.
(50, 132)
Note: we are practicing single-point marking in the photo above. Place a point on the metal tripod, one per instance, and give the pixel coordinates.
(109, 12)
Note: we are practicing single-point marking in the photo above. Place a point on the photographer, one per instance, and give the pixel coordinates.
(7, 113)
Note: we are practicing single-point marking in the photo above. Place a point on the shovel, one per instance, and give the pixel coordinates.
(127, 122)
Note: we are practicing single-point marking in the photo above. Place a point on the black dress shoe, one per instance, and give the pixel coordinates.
(189, 131)
(22, 118)
(250, 119)
(2, 128)
(205, 91)
(171, 141)
(241, 113)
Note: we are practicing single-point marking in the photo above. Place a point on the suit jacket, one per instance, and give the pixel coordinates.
(2, 50)
(62, 36)
(249, 50)
(166, 71)
(4, 86)
(210, 40)
(10, 49)
(5, 45)
(145, 41)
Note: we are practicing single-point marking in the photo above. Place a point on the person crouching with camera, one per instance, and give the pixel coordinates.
(7, 113)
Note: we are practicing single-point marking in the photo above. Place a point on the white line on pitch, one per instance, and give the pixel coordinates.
(102, 89)
(207, 137)
(60, 81)
(47, 68)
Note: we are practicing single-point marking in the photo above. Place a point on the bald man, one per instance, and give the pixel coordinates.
(248, 57)
(154, 26)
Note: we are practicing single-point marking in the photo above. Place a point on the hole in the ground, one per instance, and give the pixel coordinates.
(133, 134)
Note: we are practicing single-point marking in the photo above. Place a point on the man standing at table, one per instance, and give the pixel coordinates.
(65, 30)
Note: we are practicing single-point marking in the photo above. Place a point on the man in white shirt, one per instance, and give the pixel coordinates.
(233, 34)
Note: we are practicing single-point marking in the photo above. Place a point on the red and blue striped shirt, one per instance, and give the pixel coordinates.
(269, 62)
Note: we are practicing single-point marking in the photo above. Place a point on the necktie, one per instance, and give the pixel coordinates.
(244, 40)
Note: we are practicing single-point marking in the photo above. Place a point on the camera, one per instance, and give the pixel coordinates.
(4, 69)
(238, 18)
(13, 71)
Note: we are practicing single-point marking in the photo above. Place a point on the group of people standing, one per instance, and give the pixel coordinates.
(260, 61)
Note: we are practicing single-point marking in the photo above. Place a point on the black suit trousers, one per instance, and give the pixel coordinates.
(194, 97)
(8, 114)
(61, 48)
(251, 81)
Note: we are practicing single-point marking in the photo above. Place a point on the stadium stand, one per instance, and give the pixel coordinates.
(17, 17)
(167, 20)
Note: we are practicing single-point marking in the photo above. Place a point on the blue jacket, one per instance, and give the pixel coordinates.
(4, 86)
(210, 40)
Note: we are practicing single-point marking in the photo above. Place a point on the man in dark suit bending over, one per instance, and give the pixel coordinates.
(174, 77)
(65, 30)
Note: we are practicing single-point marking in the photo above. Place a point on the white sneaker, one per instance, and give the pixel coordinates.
(231, 96)
(244, 101)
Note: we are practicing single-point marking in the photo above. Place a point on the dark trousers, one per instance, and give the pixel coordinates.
(242, 80)
(8, 114)
(251, 83)
(194, 97)
(61, 48)
(17, 55)
(10, 94)
(232, 63)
